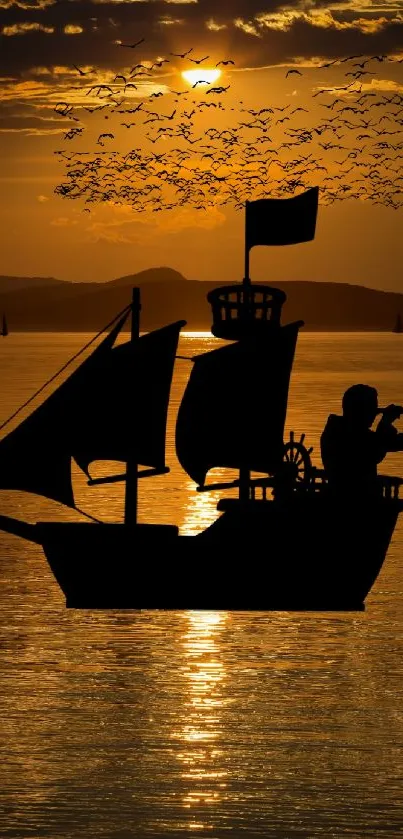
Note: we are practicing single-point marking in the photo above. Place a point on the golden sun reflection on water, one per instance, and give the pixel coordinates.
(156, 724)
(200, 510)
(202, 756)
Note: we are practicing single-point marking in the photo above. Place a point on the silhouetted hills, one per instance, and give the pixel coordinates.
(150, 275)
(167, 296)
(17, 283)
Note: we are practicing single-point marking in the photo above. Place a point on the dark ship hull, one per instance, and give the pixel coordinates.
(306, 553)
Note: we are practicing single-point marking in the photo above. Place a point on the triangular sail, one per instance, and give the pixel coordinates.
(36, 456)
(234, 407)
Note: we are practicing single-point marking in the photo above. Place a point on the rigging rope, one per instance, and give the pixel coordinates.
(87, 515)
(55, 375)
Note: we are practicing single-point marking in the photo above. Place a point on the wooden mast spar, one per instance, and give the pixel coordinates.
(244, 471)
(131, 490)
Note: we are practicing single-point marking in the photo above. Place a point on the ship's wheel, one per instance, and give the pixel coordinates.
(297, 459)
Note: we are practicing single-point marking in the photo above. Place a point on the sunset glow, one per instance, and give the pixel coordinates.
(139, 136)
(200, 75)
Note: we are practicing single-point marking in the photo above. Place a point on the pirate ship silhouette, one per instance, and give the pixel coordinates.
(284, 543)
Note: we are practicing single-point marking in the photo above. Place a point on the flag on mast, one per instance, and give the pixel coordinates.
(282, 221)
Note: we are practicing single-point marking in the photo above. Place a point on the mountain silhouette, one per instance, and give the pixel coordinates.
(17, 283)
(167, 295)
(150, 275)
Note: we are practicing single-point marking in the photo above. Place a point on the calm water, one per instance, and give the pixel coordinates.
(182, 724)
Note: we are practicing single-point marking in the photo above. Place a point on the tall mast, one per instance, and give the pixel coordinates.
(132, 465)
(246, 279)
(244, 472)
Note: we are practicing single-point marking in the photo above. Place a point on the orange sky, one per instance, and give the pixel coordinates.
(305, 97)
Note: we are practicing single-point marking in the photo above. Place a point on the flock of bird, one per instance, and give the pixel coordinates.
(348, 140)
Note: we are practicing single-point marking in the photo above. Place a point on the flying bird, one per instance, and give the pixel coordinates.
(132, 46)
(160, 63)
(81, 72)
(288, 73)
(329, 64)
(218, 89)
(181, 54)
(101, 136)
(358, 73)
(350, 58)
(73, 133)
(65, 108)
(199, 60)
(99, 87)
(224, 63)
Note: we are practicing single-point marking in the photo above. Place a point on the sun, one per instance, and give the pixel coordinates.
(200, 75)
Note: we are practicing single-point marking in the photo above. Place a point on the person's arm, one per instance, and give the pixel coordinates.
(387, 437)
(397, 443)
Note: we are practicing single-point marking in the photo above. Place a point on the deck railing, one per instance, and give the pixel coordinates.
(318, 482)
(388, 485)
(260, 489)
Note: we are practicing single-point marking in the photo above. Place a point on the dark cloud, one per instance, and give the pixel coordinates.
(27, 124)
(303, 35)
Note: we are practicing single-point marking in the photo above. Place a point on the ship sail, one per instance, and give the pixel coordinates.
(398, 327)
(234, 407)
(87, 416)
(36, 456)
(127, 402)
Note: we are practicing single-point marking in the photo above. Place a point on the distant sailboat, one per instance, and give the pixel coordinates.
(4, 330)
(398, 327)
